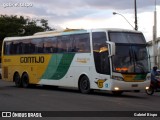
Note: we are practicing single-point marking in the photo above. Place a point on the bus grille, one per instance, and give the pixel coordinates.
(5, 72)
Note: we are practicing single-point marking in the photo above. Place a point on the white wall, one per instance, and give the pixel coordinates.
(157, 53)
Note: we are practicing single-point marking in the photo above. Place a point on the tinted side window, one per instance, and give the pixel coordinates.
(20, 48)
(59, 44)
(11, 48)
(100, 52)
(47, 45)
(54, 44)
(82, 42)
(26, 46)
(7, 47)
(39, 45)
(32, 46)
(15, 48)
(67, 43)
(50, 45)
(64, 44)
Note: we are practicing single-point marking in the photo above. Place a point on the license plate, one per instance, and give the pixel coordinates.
(134, 85)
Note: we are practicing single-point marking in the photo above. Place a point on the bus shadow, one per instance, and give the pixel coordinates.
(131, 95)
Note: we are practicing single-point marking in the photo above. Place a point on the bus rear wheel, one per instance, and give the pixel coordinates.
(17, 80)
(84, 85)
(25, 80)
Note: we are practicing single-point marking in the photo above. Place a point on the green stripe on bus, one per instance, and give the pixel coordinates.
(58, 66)
(140, 77)
(52, 66)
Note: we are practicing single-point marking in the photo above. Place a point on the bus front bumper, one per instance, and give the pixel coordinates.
(129, 86)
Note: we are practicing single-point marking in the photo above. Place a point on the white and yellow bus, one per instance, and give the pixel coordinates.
(98, 59)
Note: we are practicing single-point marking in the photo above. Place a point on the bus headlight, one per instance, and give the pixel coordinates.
(116, 88)
(117, 78)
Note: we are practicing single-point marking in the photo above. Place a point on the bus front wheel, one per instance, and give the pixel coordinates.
(84, 85)
(25, 80)
(17, 80)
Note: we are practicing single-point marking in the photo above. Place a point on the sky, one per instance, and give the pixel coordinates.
(87, 14)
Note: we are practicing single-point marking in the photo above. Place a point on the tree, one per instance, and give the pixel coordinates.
(45, 25)
(11, 26)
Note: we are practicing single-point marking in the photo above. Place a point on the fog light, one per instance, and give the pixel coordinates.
(147, 88)
(116, 88)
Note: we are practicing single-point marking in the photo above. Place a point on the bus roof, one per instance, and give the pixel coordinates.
(67, 32)
(58, 31)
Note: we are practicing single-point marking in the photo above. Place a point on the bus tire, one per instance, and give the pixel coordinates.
(17, 80)
(25, 80)
(84, 85)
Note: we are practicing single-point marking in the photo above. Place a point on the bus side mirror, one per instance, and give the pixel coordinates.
(112, 48)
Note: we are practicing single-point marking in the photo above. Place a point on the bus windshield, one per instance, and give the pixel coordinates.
(131, 59)
(131, 54)
(127, 37)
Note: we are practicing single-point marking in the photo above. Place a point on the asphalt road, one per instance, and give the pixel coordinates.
(40, 98)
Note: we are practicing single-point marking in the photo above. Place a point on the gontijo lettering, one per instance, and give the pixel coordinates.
(33, 59)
